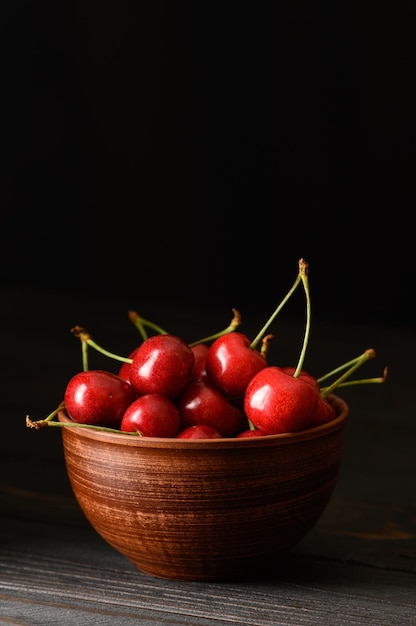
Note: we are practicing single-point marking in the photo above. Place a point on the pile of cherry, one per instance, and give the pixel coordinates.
(222, 386)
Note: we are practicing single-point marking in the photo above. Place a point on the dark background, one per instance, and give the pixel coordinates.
(192, 152)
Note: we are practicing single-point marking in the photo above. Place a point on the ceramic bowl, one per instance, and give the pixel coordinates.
(204, 510)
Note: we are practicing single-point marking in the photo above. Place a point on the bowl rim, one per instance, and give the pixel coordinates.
(315, 432)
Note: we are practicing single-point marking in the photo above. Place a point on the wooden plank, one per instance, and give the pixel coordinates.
(59, 574)
(52, 562)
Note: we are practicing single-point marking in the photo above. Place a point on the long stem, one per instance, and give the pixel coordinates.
(111, 355)
(362, 381)
(235, 323)
(303, 270)
(271, 319)
(363, 358)
(141, 322)
(43, 423)
(84, 351)
(86, 338)
(339, 369)
(50, 421)
(136, 320)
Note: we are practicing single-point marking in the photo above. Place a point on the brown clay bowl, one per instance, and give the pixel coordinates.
(204, 510)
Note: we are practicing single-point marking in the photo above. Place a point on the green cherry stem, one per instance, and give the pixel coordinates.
(141, 322)
(84, 352)
(50, 421)
(86, 338)
(235, 323)
(303, 272)
(138, 323)
(43, 423)
(358, 362)
(338, 369)
(365, 381)
(302, 268)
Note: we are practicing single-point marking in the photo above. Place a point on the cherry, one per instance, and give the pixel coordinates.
(199, 371)
(166, 384)
(199, 431)
(202, 403)
(277, 402)
(324, 412)
(162, 364)
(152, 415)
(303, 375)
(231, 363)
(254, 432)
(98, 397)
(124, 371)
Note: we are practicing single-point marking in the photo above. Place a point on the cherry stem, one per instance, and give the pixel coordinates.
(141, 322)
(84, 351)
(44, 422)
(136, 320)
(303, 271)
(265, 345)
(49, 421)
(339, 369)
(235, 323)
(365, 381)
(358, 362)
(271, 319)
(86, 338)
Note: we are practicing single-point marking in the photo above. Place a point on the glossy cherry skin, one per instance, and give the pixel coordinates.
(98, 397)
(276, 402)
(303, 375)
(199, 371)
(231, 363)
(203, 404)
(152, 415)
(324, 412)
(247, 434)
(199, 431)
(162, 364)
(124, 371)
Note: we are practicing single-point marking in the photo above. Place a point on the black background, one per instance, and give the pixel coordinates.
(193, 152)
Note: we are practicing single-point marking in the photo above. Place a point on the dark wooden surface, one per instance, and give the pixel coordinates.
(357, 566)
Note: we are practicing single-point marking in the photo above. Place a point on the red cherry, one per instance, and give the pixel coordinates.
(231, 363)
(202, 403)
(152, 415)
(303, 375)
(199, 431)
(98, 397)
(162, 364)
(247, 434)
(276, 402)
(200, 351)
(324, 412)
(124, 371)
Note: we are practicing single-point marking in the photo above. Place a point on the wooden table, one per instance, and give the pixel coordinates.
(357, 566)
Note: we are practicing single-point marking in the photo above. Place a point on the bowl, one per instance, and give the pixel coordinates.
(204, 510)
